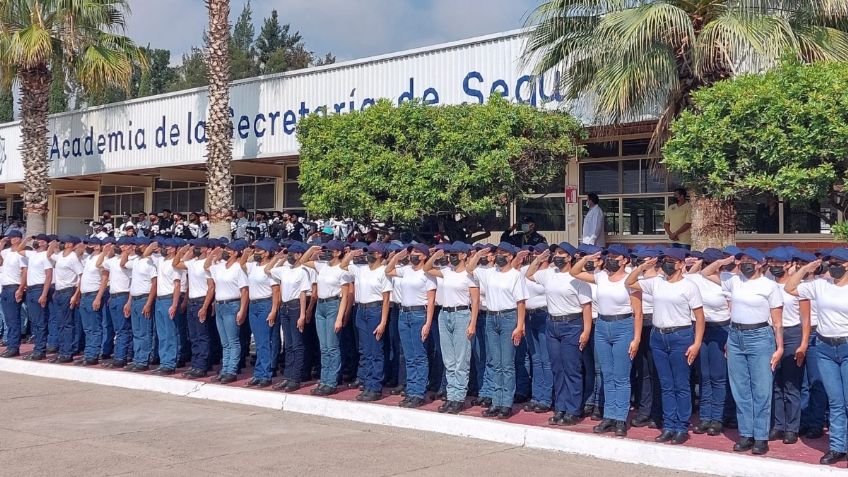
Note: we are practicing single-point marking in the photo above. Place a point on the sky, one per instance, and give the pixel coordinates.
(350, 29)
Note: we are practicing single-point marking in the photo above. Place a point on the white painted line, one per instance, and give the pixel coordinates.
(619, 450)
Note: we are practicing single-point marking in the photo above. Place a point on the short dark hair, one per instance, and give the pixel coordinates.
(593, 197)
(681, 191)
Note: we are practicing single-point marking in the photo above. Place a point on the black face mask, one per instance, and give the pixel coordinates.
(501, 260)
(442, 262)
(257, 257)
(404, 261)
(748, 269)
(836, 271)
(89, 250)
(484, 261)
(197, 252)
(777, 270)
(325, 256)
(291, 259)
(372, 259)
(361, 260)
(819, 270)
(455, 261)
(589, 267)
(612, 265)
(225, 256)
(558, 262)
(669, 268)
(729, 267)
(415, 260)
(638, 262)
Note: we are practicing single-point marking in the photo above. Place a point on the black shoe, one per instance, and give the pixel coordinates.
(87, 362)
(160, 371)
(413, 402)
(790, 437)
(702, 427)
(445, 406)
(491, 411)
(520, 399)
(530, 406)
(329, 390)
(832, 457)
(483, 402)
(180, 364)
(281, 385)
(397, 390)
(541, 408)
(355, 384)
(588, 410)
(597, 414)
(775, 435)
(10, 353)
(816, 433)
(640, 421)
(456, 407)
(665, 436)
(317, 390)
(607, 425)
(570, 419)
(140, 368)
(216, 378)
(556, 419)
(59, 359)
(744, 444)
(369, 396)
(51, 350)
(115, 363)
(440, 396)
(35, 357)
(760, 447)
(228, 378)
(252, 382)
(505, 413)
(264, 383)
(714, 429)
(731, 424)
(620, 429)
(194, 373)
(154, 362)
(291, 387)
(680, 437)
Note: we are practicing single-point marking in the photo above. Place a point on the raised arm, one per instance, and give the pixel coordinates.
(632, 280)
(536, 263)
(429, 265)
(392, 265)
(796, 278)
(578, 270)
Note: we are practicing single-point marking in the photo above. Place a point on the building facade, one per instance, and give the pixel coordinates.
(148, 154)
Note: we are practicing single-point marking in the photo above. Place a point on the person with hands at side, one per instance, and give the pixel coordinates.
(39, 278)
(506, 295)
(167, 302)
(119, 289)
(593, 388)
(457, 320)
(67, 267)
(91, 290)
(201, 295)
(674, 342)
(830, 294)
(568, 329)
(263, 310)
(333, 295)
(646, 384)
(231, 302)
(532, 356)
(618, 331)
(754, 345)
(481, 379)
(293, 284)
(139, 305)
(13, 280)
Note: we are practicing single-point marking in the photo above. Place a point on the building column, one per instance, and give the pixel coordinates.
(573, 211)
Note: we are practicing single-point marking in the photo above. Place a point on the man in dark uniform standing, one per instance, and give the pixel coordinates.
(526, 236)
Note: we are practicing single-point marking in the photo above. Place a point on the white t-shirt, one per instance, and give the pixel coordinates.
(751, 301)
(119, 277)
(613, 297)
(414, 286)
(565, 294)
(66, 269)
(258, 282)
(198, 278)
(143, 273)
(228, 281)
(10, 272)
(91, 277)
(452, 288)
(483, 302)
(791, 307)
(166, 274)
(503, 289)
(312, 274)
(716, 308)
(535, 291)
(831, 303)
(331, 279)
(292, 281)
(673, 302)
(369, 285)
(37, 265)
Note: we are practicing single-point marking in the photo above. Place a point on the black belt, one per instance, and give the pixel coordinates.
(672, 329)
(291, 303)
(224, 302)
(541, 308)
(748, 327)
(201, 299)
(717, 324)
(89, 293)
(160, 297)
(35, 287)
(620, 317)
(836, 341)
(332, 298)
(6, 287)
(139, 297)
(454, 309)
(371, 304)
(566, 318)
(501, 312)
(257, 300)
(413, 308)
(63, 290)
(119, 294)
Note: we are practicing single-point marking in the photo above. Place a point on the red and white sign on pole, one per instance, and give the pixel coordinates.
(571, 194)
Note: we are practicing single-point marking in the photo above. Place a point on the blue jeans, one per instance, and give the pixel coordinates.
(65, 320)
(410, 324)
(228, 330)
(563, 345)
(122, 326)
(644, 378)
(395, 369)
(500, 356)
(713, 373)
(537, 345)
(788, 379)
(371, 350)
(52, 323)
(199, 335)
(349, 347)
(142, 329)
(833, 366)
(481, 377)
(78, 334)
(612, 342)
(593, 385)
(669, 351)
(331, 357)
(277, 343)
(436, 380)
(293, 349)
(258, 316)
(166, 331)
(183, 343)
(813, 396)
(12, 315)
(456, 351)
(107, 346)
(748, 366)
(92, 326)
(38, 318)
(522, 368)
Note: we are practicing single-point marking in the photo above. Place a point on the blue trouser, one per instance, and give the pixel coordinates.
(371, 350)
(644, 377)
(258, 316)
(52, 322)
(749, 369)
(12, 315)
(107, 346)
(713, 374)
(65, 319)
(563, 346)
(142, 331)
(180, 319)
(38, 317)
(833, 366)
(78, 332)
(92, 325)
(669, 351)
(122, 326)
(788, 379)
(410, 324)
(293, 350)
(537, 345)
(456, 351)
(276, 343)
(813, 396)
(500, 356)
(2, 322)
(395, 369)
(612, 343)
(244, 342)
(436, 380)
(166, 330)
(228, 330)
(593, 389)
(199, 334)
(481, 378)
(349, 347)
(521, 357)
(326, 314)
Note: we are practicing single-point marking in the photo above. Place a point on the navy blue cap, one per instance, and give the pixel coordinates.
(588, 249)
(507, 247)
(53, 237)
(43, 237)
(839, 254)
(460, 247)
(237, 245)
(266, 245)
(377, 247)
(420, 247)
(713, 255)
(358, 246)
(696, 254)
(142, 241)
(199, 242)
(732, 250)
(14, 234)
(647, 252)
(567, 248)
(394, 247)
(804, 257)
(484, 246)
(180, 242)
(780, 254)
(823, 252)
(223, 240)
(753, 253)
(675, 253)
(92, 241)
(110, 240)
(618, 249)
(213, 243)
(298, 247)
(333, 245)
(540, 247)
(126, 241)
(69, 239)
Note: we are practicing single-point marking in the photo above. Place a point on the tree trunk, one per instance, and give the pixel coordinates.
(35, 96)
(713, 223)
(219, 127)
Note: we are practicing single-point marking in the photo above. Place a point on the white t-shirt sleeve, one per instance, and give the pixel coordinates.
(431, 283)
(648, 284)
(519, 288)
(808, 290)
(584, 291)
(76, 266)
(693, 296)
(387, 284)
(541, 277)
(242, 279)
(775, 297)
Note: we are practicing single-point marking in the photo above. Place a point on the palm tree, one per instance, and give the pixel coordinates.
(638, 59)
(219, 148)
(84, 37)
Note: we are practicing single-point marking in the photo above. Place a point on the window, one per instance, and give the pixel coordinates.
(548, 212)
(254, 193)
(602, 149)
(758, 215)
(610, 208)
(643, 216)
(291, 189)
(807, 217)
(121, 200)
(600, 178)
(179, 196)
(635, 147)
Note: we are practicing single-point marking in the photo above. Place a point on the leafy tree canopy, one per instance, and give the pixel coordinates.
(402, 164)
